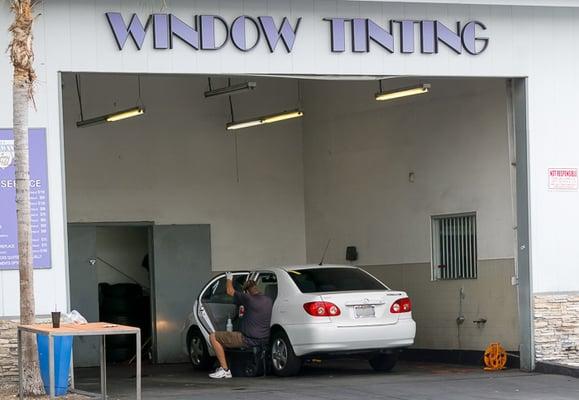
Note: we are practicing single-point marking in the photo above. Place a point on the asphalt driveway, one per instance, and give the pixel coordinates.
(339, 380)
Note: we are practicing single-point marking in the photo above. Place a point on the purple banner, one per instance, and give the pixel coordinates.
(38, 201)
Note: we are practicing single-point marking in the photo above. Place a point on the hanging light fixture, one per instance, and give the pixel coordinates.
(112, 117)
(230, 89)
(266, 119)
(402, 92)
(118, 116)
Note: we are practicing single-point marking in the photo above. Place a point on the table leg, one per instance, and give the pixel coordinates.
(103, 368)
(138, 365)
(72, 368)
(20, 375)
(52, 389)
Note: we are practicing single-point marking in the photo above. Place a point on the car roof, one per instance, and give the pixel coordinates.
(311, 266)
(295, 267)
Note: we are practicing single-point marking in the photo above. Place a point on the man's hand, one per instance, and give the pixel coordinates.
(229, 284)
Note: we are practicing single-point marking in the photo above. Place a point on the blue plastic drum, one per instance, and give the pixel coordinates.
(62, 352)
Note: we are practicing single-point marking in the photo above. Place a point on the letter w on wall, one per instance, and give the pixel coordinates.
(135, 30)
(286, 33)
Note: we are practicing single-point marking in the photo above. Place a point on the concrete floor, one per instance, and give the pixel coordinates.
(338, 380)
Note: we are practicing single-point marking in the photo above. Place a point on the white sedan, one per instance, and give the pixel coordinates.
(318, 312)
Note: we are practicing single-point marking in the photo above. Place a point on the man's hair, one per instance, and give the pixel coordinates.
(250, 286)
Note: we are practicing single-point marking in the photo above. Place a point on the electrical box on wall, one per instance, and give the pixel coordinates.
(351, 253)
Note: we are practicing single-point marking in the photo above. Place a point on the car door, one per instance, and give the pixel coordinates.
(214, 306)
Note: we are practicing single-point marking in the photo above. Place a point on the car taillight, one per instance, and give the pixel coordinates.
(322, 309)
(401, 306)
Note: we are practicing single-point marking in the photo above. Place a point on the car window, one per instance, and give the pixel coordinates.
(267, 284)
(317, 280)
(216, 293)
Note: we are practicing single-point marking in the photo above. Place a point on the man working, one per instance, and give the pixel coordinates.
(255, 324)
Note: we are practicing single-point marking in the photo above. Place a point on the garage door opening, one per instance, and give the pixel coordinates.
(422, 190)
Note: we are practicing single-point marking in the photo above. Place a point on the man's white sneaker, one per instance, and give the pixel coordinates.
(220, 373)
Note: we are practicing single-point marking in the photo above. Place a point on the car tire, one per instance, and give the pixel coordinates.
(384, 362)
(199, 352)
(284, 362)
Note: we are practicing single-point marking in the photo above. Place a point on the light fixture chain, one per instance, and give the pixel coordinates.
(79, 96)
(299, 93)
(139, 100)
(231, 109)
(236, 158)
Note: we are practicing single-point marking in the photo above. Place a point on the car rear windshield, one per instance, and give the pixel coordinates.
(333, 280)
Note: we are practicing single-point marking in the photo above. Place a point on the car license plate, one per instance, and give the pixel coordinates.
(364, 312)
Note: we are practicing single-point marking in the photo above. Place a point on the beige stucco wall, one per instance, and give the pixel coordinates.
(436, 305)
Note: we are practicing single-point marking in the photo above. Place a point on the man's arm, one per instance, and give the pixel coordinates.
(229, 285)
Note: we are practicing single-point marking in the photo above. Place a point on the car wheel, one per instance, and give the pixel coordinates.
(198, 351)
(283, 359)
(384, 362)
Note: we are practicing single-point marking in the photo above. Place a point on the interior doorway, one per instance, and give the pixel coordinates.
(124, 283)
(111, 280)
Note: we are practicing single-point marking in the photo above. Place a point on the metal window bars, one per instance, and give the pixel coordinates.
(454, 247)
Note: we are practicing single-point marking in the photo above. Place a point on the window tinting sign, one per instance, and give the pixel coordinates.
(245, 32)
(563, 179)
(40, 223)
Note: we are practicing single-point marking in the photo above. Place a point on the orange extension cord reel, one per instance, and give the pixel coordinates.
(495, 357)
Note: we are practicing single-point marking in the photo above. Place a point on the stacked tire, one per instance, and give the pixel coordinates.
(123, 304)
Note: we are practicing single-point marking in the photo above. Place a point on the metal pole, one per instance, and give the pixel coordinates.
(103, 368)
(20, 385)
(51, 365)
(72, 366)
(138, 335)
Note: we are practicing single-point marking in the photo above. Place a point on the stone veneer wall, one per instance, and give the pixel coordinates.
(557, 328)
(8, 353)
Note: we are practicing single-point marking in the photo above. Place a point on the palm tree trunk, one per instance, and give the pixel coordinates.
(22, 58)
(32, 384)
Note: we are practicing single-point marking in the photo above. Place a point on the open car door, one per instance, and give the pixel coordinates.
(214, 306)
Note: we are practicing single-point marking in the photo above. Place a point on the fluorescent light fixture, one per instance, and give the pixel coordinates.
(283, 117)
(133, 112)
(246, 124)
(113, 117)
(268, 119)
(403, 92)
(231, 90)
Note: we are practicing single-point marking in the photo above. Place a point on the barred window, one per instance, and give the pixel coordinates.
(454, 247)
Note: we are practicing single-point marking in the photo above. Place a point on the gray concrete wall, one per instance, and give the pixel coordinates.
(177, 164)
(436, 305)
(359, 153)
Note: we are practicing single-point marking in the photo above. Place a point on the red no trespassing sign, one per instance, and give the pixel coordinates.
(563, 179)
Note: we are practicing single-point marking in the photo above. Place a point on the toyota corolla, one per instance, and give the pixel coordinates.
(318, 312)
